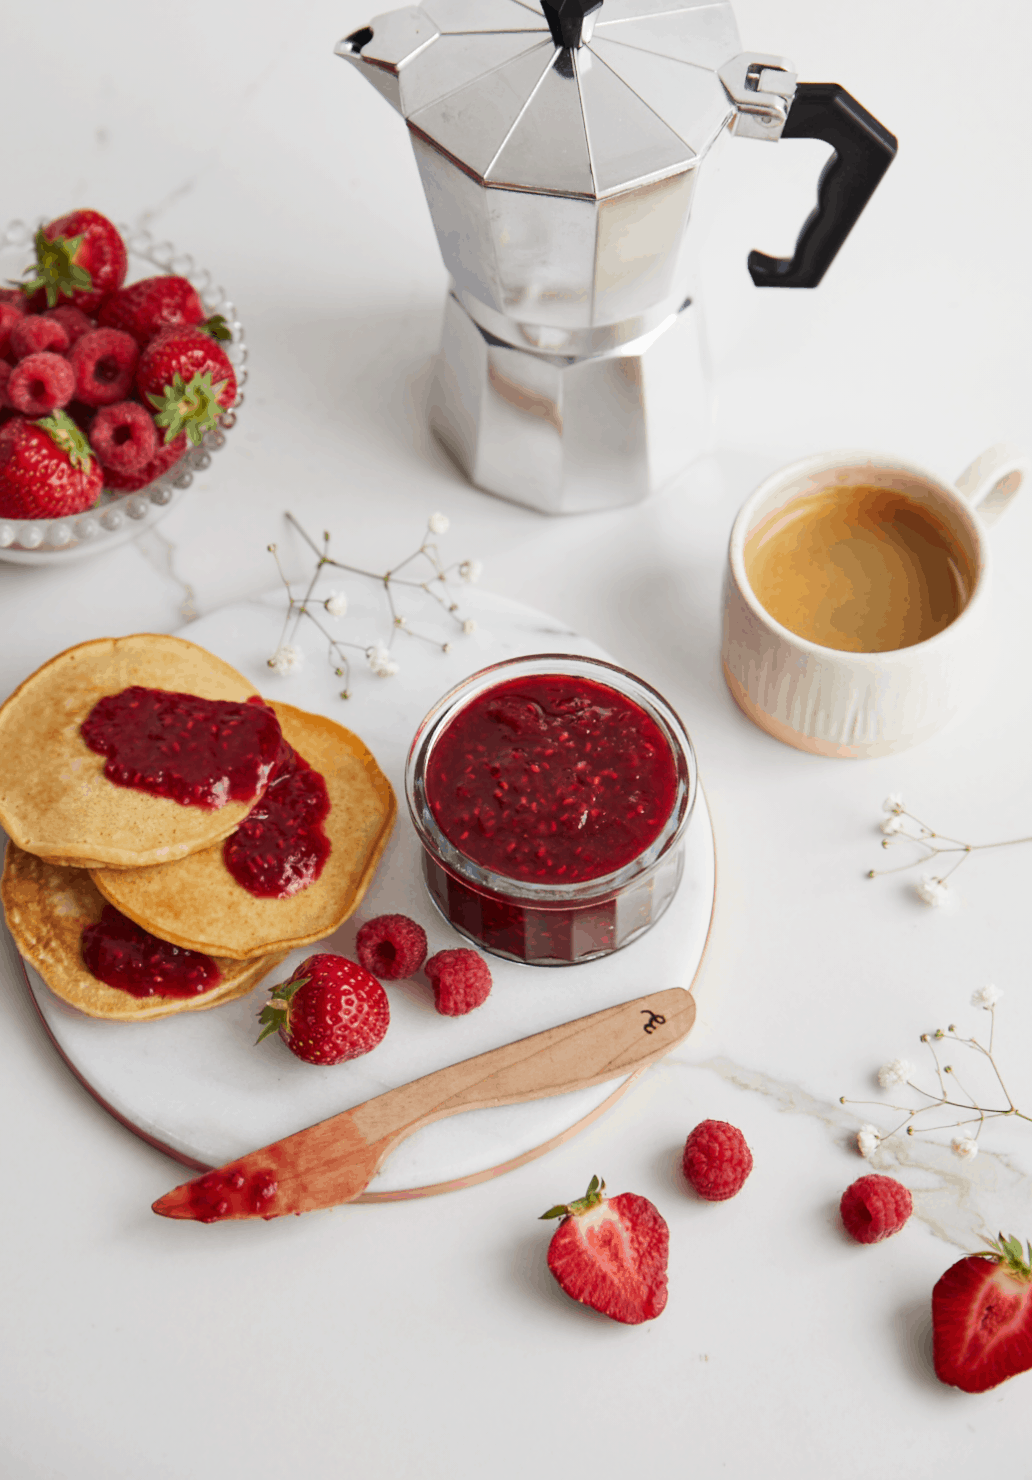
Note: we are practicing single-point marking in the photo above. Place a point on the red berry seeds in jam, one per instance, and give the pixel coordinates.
(551, 780)
(198, 752)
(280, 847)
(121, 954)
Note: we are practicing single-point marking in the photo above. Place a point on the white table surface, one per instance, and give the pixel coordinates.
(427, 1339)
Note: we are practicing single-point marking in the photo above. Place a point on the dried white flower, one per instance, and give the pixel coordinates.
(867, 1140)
(438, 523)
(336, 604)
(471, 570)
(287, 659)
(934, 892)
(898, 1072)
(892, 824)
(893, 803)
(966, 1147)
(986, 996)
(469, 626)
(381, 662)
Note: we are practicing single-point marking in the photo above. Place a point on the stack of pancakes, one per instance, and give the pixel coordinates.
(78, 841)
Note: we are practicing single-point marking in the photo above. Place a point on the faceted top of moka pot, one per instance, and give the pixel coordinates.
(496, 86)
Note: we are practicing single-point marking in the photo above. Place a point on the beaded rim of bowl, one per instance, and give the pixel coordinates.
(119, 516)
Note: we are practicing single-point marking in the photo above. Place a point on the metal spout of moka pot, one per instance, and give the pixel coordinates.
(559, 150)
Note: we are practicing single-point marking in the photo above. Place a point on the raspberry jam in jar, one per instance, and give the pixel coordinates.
(551, 795)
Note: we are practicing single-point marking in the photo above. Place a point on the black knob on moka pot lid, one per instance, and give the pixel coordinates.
(566, 19)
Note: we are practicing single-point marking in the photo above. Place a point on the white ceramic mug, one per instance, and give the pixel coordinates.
(864, 704)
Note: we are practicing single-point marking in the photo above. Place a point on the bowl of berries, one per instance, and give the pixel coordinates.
(121, 368)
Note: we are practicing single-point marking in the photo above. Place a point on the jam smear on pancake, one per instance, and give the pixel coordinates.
(121, 954)
(198, 752)
(280, 847)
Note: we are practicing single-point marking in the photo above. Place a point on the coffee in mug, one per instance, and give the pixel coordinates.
(860, 568)
(855, 594)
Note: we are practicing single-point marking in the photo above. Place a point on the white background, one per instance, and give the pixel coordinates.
(427, 1339)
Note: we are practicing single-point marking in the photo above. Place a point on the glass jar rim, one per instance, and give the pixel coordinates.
(504, 886)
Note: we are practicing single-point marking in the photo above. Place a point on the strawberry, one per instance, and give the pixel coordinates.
(611, 1253)
(982, 1318)
(46, 469)
(79, 256)
(150, 305)
(188, 379)
(330, 1010)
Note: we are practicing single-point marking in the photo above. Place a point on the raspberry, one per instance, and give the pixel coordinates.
(167, 454)
(34, 333)
(391, 946)
(460, 979)
(104, 361)
(40, 383)
(10, 314)
(123, 436)
(874, 1208)
(716, 1160)
(72, 320)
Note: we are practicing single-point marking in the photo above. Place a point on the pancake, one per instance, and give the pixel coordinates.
(55, 800)
(48, 907)
(197, 903)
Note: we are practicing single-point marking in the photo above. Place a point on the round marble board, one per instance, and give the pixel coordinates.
(196, 1086)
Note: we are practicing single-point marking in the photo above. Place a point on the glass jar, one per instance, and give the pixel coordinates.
(547, 922)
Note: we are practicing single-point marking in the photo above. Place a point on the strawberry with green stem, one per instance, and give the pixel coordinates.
(46, 469)
(145, 308)
(188, 379)
(330, 1010)
(80, 256)
(982, 1317)
(611, 1253)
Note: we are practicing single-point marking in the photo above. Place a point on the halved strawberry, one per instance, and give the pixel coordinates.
(982, 1318)
(611, 1253)
(80, 256)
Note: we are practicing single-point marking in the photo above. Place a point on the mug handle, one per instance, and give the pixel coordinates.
(993, 479)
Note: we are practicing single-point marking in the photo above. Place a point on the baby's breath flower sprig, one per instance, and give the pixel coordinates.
(901, 826)
(949, 1095)
(424, 572)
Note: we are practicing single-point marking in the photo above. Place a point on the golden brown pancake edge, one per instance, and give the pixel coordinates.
(47, 908)
(54, 798)
(196, 903)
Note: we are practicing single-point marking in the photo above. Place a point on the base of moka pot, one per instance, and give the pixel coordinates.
(566, 434)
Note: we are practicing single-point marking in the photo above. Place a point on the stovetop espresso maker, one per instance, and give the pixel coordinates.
(559, 146)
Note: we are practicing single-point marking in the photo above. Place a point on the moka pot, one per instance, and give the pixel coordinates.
(559, 146)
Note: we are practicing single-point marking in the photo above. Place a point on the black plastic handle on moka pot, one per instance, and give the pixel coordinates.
(863, 152)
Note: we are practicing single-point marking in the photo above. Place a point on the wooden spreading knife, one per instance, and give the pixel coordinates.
(334, 1161)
